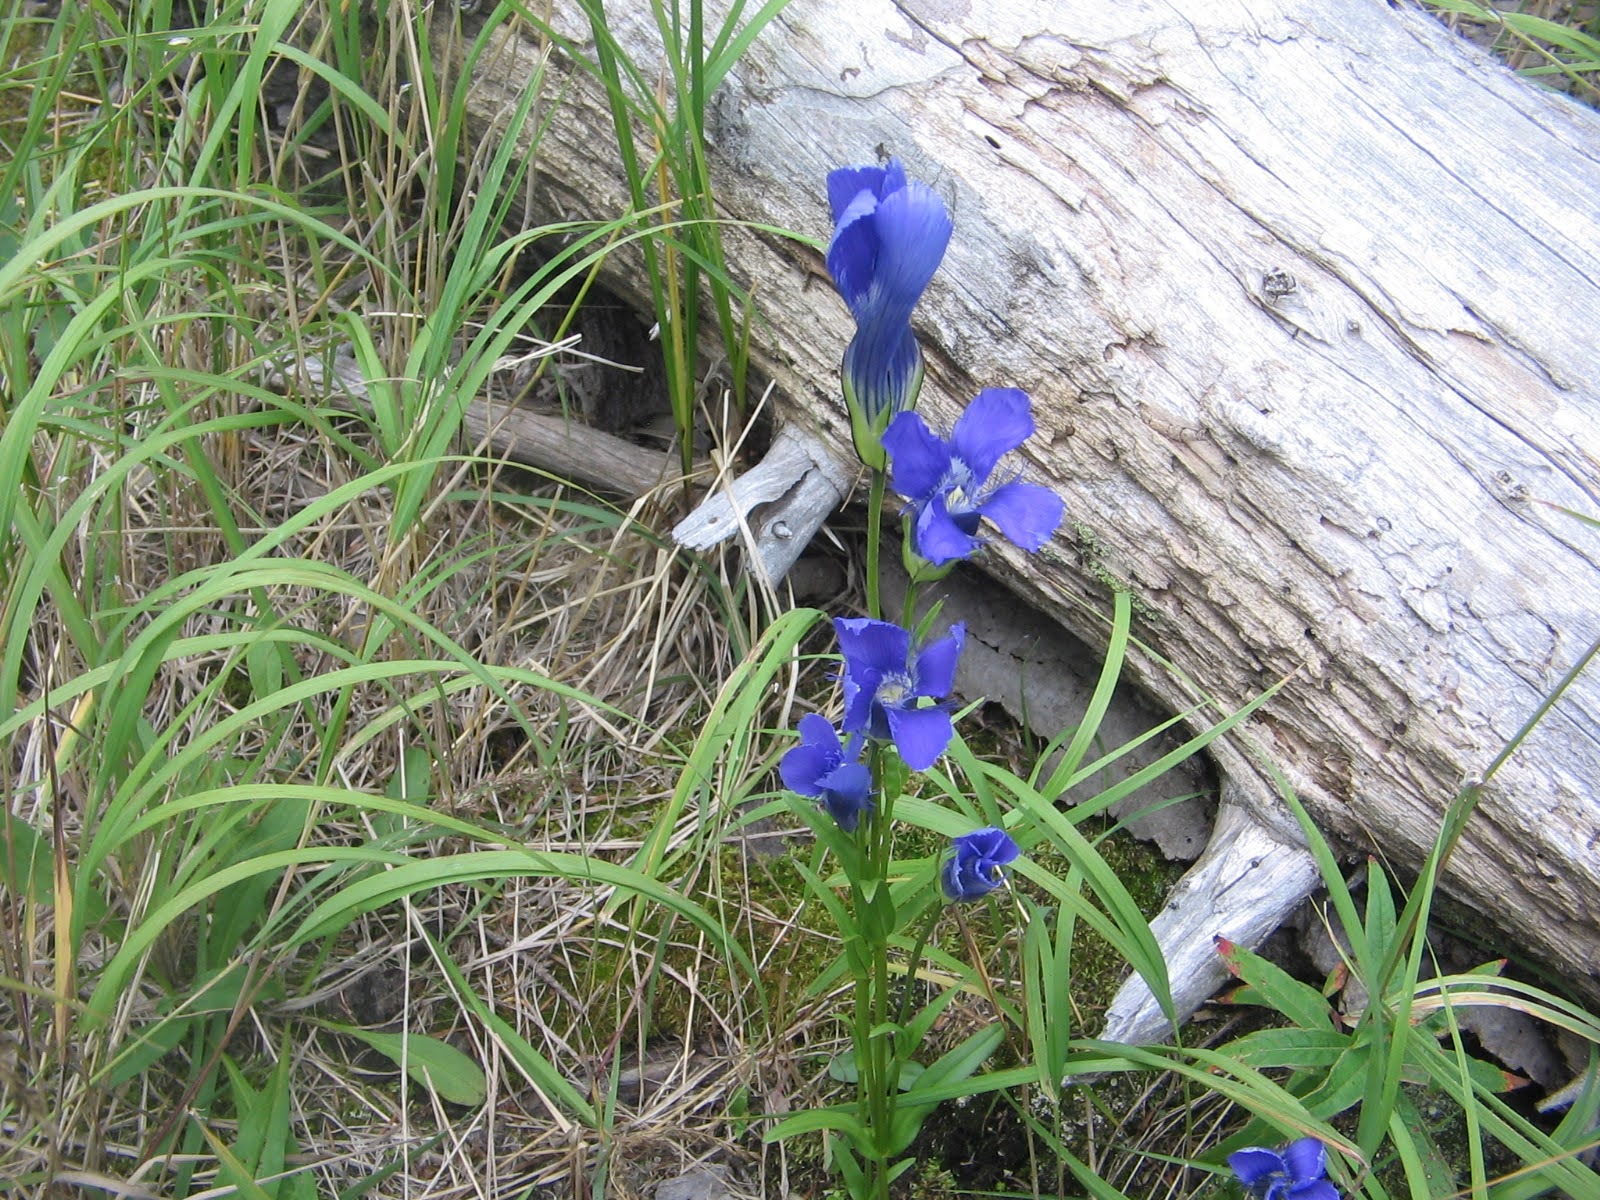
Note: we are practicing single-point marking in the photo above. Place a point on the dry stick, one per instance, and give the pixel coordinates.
(565, 448)
(569, 449)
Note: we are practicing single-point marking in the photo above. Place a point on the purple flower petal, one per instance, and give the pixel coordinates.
(976, 862)
(853, 253)
(894, 178)
(920, 734)
(819, 753)
(846, 183)
(913, 230)
(1025, 513)
(850, 778)
(821, 767)
(889, 238)
(877, 645)
(871, 649)
(1306, 1159)
(918, 457)
(938, 538)
(882, 364)
(818, 730)
(803, 766)
(858, 701)
(1253, 1164)
(955, 883)
(936, 664)
(847, 793)
(1319, 1189)
(991, 845)
(996, 422)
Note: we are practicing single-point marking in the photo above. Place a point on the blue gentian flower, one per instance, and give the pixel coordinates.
(826, 769)
(977, 864)
(1298, 1173)
(889, 237)
(950, 484)
(883, 683)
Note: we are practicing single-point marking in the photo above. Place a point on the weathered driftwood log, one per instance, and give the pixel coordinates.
(1306, 296)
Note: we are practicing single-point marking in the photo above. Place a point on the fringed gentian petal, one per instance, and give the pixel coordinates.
(976, 865)
(884, 685)
(950, 484)
(1298, 1173)
(829, 770)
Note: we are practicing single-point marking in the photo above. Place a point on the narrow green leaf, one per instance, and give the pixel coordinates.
(839, 1119)
(1295, 1049)
(1105, 687)
(1274, 987)
(232, 1170)
(954, 1067)
(541, 1072)
(431, 1062)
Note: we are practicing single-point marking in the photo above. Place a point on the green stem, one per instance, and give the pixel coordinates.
(882, 1047)
(875, 1052)
(904, 1010)
(908, 612)
(874, 543)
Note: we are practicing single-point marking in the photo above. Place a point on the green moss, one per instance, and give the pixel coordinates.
(1090, 552)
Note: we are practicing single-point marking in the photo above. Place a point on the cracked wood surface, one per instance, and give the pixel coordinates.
(1306, 297)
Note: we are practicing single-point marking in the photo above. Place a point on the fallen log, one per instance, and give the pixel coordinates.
(1305, 296)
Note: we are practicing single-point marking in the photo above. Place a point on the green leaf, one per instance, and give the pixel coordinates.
(1121, 924)
(920, 1025)
(1427, 1172)
(1270, 985)
(1100, 702)
(231, 1169)
(1294, 1049)
(953, 1067)
(876, 913)
(1380, 923)
(1345, 1083)
(541, 1072)
(960, 1061)
(843, 1069)
(264, 664)
(839, 1119)
(431, 1062)
(23, 849)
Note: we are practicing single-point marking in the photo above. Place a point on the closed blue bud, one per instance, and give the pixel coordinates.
(977, 863)
(889, 237)
(826, 769)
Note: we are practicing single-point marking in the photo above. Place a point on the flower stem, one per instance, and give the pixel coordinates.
(874, 543)
(876, 1051)
(904, 1009)
(884, 1068)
